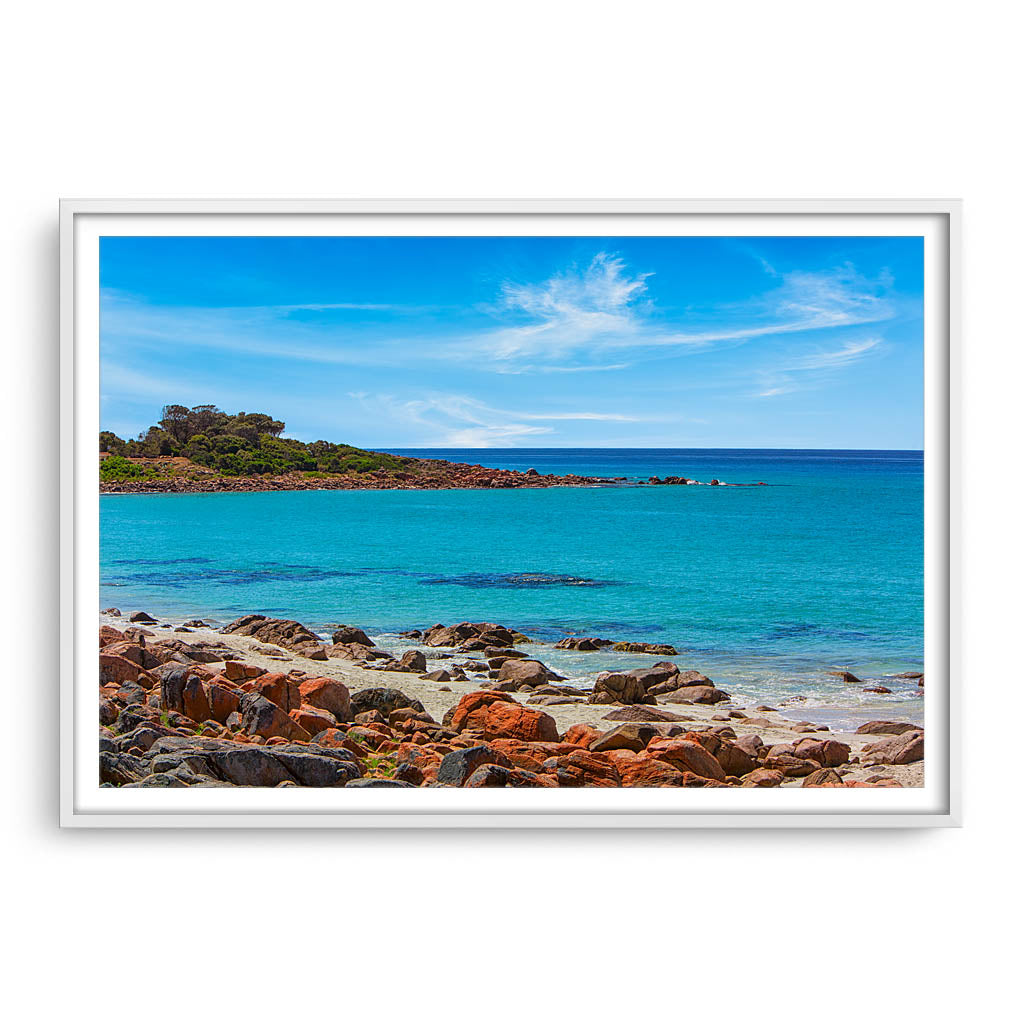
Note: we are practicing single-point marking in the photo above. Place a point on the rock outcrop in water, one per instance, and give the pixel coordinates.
(642, 648)
(473, 636)
(286, 633)
(646, 685)
(583, 643)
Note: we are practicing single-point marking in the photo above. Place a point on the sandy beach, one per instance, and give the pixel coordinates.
(438, 698)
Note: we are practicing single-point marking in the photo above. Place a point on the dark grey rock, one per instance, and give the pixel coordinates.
(165, 780)
(142, 737)
(350, 635)
(318, 771)
(131, 718)
(414, 661)
(456, 767)
(631, 736)
(489, 776)
(379, 784)
(384, 699)
(121, 769)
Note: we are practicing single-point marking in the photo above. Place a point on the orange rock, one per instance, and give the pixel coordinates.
(427, 761)
(582, 768)
(472, 708)
(109, 635)
(687, 756)
(621, 757)
(515, 721)
(827, 752)
(644, 770)
(327, 694)
(581, 735)
(790, 766)
(313, 720)
(115, 669)
(734, 759)
(367, 736)
(194, 701)
(545, 781)
(339, 738)
(882, 784)
(701, 782)
(520, 754)
(279, 689)
(236, 671)
(128, 650)
(222, 699)
(763, 777)
(530, 754)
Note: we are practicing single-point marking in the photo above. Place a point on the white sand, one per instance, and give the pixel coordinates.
(437, 702)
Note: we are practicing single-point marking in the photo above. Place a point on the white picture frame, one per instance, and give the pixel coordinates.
(84, 805)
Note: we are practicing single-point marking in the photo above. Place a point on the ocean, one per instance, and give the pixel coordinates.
(764, 589)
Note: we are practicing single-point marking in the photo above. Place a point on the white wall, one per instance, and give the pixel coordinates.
(526, 99)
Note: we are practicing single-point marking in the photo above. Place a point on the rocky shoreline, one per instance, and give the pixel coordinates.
(176, 475)
(266, 702)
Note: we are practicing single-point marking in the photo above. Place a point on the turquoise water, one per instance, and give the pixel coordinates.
(763, 588)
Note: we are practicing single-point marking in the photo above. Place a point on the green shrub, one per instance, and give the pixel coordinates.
(116, 468)
(246, 444)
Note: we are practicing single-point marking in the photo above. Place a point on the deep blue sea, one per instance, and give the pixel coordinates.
(765, 589)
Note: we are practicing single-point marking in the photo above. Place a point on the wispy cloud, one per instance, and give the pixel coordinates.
(267, 331)
(535, 368)
(814, 367)
(319, 306)
(575, 321)
(638, 341)
(586, 311)
(460, 421)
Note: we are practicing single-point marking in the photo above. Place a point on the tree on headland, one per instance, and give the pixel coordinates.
(110, 442)
(254, 425)
(174, 419)
(243, 444)
(205, 419)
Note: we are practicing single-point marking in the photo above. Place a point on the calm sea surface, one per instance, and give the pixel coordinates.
(763, 588)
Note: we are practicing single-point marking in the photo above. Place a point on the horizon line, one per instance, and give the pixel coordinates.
(625, 448)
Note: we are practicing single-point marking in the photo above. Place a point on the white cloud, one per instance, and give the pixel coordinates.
(814, 367)
(849, 353)
(602, 307)
(460, 421)
(490, 437)
(599, 301)
(534, 368)
(598, 291)
(576, 321)
(266, 331)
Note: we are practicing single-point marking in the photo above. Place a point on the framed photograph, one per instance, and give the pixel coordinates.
(509, 514)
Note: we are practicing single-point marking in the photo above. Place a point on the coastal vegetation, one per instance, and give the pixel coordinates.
(203, 448)
(243, 444)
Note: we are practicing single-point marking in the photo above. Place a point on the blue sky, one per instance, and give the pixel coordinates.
(523, 342)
